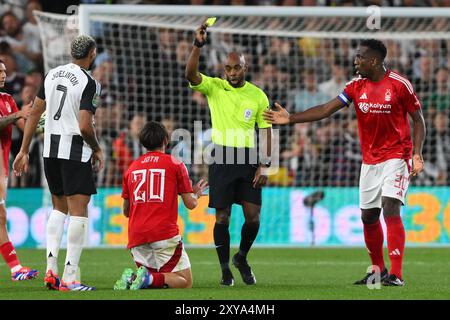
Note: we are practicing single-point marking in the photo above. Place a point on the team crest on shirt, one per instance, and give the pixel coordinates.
(8, 106)
(387, 95)
(95, 100)
(248, 114)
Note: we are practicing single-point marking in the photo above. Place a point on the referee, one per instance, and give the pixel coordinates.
(236, 106)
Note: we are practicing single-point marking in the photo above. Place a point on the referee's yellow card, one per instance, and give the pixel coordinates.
(210, 21)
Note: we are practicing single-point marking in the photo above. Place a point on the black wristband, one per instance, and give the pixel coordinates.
(265, 163)
(198, 44)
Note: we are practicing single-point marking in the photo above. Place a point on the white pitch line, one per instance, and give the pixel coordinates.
(267, 263)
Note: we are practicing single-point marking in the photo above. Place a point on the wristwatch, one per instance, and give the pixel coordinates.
(198, 44)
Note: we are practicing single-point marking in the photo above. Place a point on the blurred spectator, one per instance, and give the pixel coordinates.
(34, 78)
(127, 146)
(440, 3)
(437, 151)
(418, 3)
(202, 148)
(166, 45)
(105, 74)
(24, 45)
(31, 28)
(113, 118)
(423, 77)
(283, 51)
(105, 178)
(15, 80)
(27, 94)
(339, 77)
(178, 148)
(272, 81)
(221, 45)
(310, 96)
(322, 140)
(15, 6)
(182, 53)
(34, 174)
(299, 156)
(108, 124)
(396, 59)
(439, 100)
(180, 86)
(351, 155)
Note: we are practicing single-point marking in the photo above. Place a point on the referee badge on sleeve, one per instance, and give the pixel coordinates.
(248, 114)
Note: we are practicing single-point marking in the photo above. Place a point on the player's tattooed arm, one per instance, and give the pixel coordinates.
(7, 120)
(87, 131)
(12, 118)
(20, 164)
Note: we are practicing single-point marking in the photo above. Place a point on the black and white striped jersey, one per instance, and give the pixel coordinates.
(67, 90)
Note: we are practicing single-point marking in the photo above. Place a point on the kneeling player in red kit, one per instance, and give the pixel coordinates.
(150, 191)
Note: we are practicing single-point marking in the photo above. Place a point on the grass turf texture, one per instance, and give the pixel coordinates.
(288, 273)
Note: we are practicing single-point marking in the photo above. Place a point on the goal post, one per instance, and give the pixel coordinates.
(87, 13)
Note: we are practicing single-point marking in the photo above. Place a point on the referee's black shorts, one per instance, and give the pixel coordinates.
(68, 177)
(232, 183)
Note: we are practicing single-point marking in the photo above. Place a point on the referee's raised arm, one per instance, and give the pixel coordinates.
(191, 73)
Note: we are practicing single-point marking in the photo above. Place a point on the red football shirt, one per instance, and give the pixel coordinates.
(7, 107)
(382, 111)
(152, 184)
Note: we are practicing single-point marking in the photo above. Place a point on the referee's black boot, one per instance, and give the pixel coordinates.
(241, 264)
(227, 278)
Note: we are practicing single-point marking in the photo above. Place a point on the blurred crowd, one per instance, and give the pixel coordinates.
(141, 71)
(395, 3)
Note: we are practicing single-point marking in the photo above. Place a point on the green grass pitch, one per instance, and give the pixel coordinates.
(281, 273)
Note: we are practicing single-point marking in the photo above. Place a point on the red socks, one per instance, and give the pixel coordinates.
(158, 280)
(373, 236)
(9, 255)
(396, 243)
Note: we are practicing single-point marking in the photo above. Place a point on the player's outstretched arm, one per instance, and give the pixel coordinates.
(191, 72)
(190, 199)
(281, 116)
(20, 164)
(419, 132)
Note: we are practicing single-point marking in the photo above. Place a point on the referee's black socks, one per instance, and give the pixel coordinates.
(222, 242)
(249, 232)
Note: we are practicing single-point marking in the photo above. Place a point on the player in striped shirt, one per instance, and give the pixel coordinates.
(69, 97)
(383, 99)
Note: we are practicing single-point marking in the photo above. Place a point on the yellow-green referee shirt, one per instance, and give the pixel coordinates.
(234, 111)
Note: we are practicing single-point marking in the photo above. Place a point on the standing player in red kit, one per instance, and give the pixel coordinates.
(9, 114)
(382, 99)
(150, 190)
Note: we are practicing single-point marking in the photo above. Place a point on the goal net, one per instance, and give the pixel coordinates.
(299, 57)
